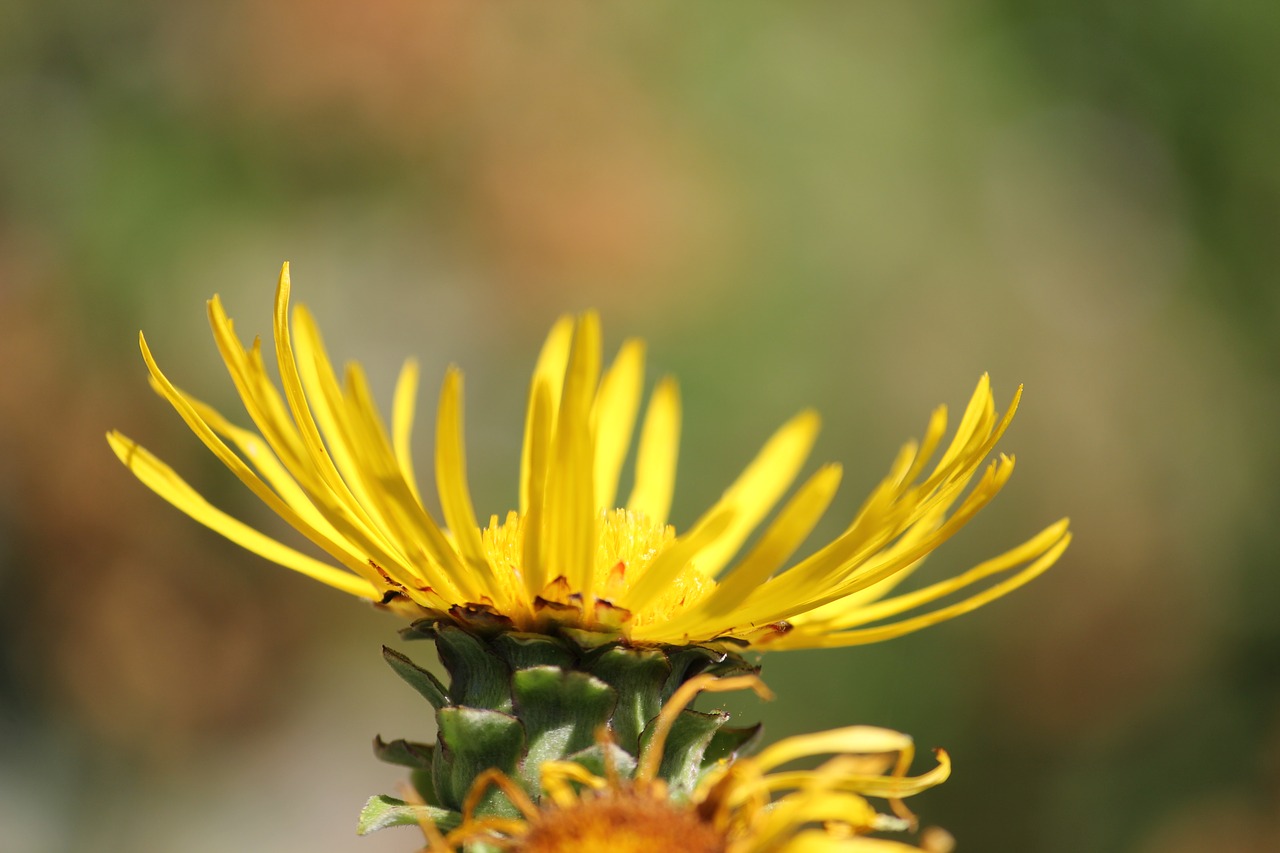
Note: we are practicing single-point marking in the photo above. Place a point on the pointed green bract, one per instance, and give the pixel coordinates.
(561, 710)
(381, 812)
(418, 678)
(685, 749)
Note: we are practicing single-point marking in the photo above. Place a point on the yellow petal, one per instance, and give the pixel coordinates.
(760, 486)
(451, 480)
(538, 444)
(402, 409)
(570, 521)
(802, 639)
(614, 416)
(166, 483)
(657, 454)
(549, 372)
(787, 532)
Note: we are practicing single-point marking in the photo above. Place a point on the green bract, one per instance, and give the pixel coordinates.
(515, 701)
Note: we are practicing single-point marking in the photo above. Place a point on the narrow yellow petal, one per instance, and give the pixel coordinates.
(358, 445)
(340, 548)
(325, 404)
(549, 372)
(819, 841)
(787, 532)
(803, 639)
(570, 520)
(451, 481)
(166, 483)
(860, 740)
(256, 451)
(854, 616)
(833, 774)
(402, 409)
(295, 396)
(760, 486)
(614, 416)
(657, 454)
(833, 573)
(538, 442)
(260, 398)
(438, 560)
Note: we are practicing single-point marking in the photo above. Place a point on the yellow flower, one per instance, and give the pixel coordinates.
(747, 805)
(573, 556)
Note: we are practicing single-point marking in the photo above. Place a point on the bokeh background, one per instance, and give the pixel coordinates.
(855, 206)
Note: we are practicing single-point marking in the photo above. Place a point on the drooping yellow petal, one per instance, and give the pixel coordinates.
(861, 740)
(166, 483)
(350, 535)
(819, 841)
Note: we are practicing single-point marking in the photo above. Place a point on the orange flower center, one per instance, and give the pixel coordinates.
(621, 822)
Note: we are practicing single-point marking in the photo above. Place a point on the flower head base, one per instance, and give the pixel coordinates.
(747, 805)
(574, 558)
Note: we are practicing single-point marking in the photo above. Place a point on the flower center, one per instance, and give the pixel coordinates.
(621, 822)
(626, 545)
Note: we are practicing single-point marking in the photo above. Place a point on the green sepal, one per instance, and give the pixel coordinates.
(473, 740)
(561, 711)
(478, 679)
(587, 639)
(638, 675)
(593, 758)
(418, 678)
(687, 743)
(424, 784)
(695, 660)
(524, 651)
(383, 811)
(729, 742)
(405, 753)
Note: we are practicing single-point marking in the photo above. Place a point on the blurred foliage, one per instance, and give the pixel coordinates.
(859, 207)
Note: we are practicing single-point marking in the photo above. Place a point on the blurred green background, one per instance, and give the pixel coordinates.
(855, 206)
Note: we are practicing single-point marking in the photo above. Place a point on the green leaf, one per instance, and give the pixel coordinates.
(686, 745)
(561, 711)
(478, 677)
(473, 740)
(405, 753)
(382, 811)
(417, 677)
(638, 675)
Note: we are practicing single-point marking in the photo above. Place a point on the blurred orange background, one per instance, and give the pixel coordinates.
(859, 207)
